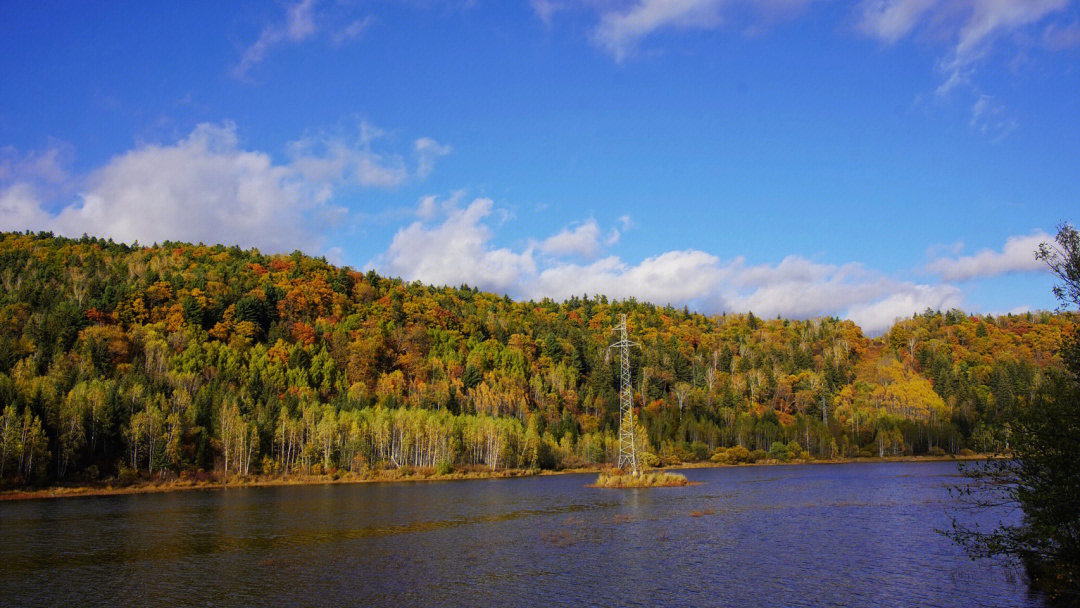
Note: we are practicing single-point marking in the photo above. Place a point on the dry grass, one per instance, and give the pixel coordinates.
(618, 479)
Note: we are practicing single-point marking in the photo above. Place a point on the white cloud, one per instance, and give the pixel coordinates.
(622, 26)
(801, 288)
(206, 187)
(546, 9)
(299, 26)
(303, 22)
(988, 117)
(41, 166)
(457, 251)
(876, 316)
(20, 208)
(619, 31)
(456, 245)
(428, 207)
(203, 188)
(677, 277)
(336, 256)
(1057, 38)
(936, 250)
(426, 151)
(27, 181)
(337, 157)
(892, 20)
(352, 30)
(970, 27)
(1018, 255)
(583, 241)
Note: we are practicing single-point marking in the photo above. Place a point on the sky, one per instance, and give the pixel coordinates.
(796, 158)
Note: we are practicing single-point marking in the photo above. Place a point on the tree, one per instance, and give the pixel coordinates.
(1042, 478)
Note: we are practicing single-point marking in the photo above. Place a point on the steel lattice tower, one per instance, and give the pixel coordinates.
(627, 449)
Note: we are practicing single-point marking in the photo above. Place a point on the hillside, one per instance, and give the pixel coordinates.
(185, 358)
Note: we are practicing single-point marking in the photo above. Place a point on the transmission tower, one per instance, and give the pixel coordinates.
(627, 449)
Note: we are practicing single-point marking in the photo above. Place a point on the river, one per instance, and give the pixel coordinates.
(799, 535)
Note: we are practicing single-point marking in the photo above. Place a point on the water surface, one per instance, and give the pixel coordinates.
(814, 535)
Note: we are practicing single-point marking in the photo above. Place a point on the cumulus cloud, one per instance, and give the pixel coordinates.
(457, 251)
(452, 245)
(428, 207)
(27, 181)
(206, 187)
(203, 188)
(21, 208)
(877, 315)
(677, 277)
(582, 240)
(1018, 255)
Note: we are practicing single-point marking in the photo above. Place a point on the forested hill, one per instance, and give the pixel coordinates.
(173, 358)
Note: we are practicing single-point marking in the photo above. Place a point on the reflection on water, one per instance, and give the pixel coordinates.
(820, 535)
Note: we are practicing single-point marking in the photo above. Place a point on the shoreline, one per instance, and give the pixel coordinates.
(179, 485)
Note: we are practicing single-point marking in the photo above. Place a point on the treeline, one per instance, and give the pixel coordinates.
(172, 358)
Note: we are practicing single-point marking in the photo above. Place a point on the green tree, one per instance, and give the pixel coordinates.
(1042, 478)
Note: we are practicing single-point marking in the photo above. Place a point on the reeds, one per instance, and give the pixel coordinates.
(618, 479)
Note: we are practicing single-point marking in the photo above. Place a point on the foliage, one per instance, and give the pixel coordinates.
(180, 358)
(1041, 479)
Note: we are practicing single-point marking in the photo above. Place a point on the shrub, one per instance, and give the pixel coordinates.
(795, 451)
(739, 454)
(649, 459)
(779, 451)
(699, 451)
(722, 456)
(732, 455)
(127, 476)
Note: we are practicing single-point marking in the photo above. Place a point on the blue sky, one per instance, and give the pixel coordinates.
(867, 159)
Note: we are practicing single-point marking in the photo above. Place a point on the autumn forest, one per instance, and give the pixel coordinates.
(183, 360)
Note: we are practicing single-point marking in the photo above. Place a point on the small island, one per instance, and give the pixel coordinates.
(617, 478)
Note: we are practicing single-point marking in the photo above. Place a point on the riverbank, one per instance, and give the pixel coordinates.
(174, 484)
